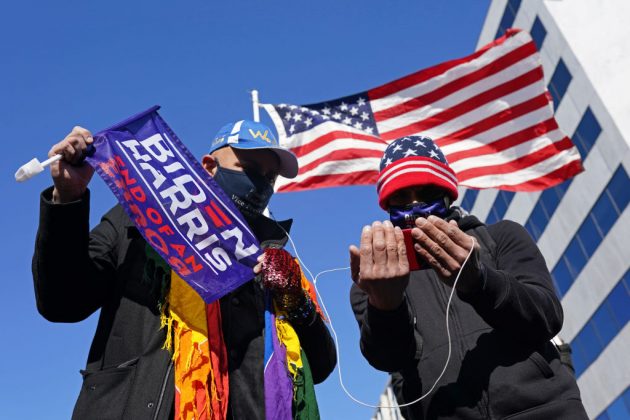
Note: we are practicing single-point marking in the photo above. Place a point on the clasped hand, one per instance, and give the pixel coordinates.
(381, 269)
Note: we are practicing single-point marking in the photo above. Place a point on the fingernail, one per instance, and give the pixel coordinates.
(421, 221)
(432, 218)
(90, 139)
(377, 223)
(388, 223)
(367, 228)
(397, 229)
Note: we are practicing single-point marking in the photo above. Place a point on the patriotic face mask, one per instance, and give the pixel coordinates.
(250, 192)
(405, 216)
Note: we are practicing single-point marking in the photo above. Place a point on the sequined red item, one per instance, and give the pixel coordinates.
(280, 272)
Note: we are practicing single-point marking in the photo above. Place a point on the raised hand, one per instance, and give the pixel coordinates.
(71, 175)
(380, 267)
(444, 246)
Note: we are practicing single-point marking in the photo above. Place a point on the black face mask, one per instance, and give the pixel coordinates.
(250, 191)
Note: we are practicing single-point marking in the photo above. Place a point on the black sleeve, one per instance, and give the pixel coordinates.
(317, 343)
(388, 341)
(518, 297)
(72, 268)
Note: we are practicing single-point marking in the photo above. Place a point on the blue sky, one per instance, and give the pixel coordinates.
(85, 63)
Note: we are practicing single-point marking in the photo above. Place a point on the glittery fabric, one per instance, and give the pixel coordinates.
(281, 274)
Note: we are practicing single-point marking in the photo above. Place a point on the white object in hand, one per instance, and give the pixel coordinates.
(33, 167)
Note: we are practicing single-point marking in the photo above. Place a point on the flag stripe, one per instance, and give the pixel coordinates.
(503, 129)
(341, 144)
(444, 90)
(340, 155)
(504, 143)
(505, 116)
(519, 163)
(518, 180)
(478, 122)
(396, 86)
(525, 148)
(329, 137)
(550, 179)
(467, 105)
(334, 167)
(467, 118)
(452, 74)
(456, 98)
(333, 180)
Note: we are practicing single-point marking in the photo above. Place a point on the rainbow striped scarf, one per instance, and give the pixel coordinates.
(194, 335)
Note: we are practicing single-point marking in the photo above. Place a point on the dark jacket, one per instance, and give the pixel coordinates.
(502, 363)
(128, 374)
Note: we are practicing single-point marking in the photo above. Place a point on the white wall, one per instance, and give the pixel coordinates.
(598, 31)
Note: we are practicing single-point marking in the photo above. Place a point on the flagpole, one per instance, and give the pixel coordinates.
(255, 105)
(257, 119)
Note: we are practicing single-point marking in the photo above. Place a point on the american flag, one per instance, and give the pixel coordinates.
(489, 112)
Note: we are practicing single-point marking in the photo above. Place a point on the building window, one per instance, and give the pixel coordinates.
(500, 206)
(468, 201)
(606, 326)
(619, 409)
(509, 14)
(618, 301)
(534, 230)
(619, 189)
(586, 133)
(550, 200)
(546, 206)
(578, 356)
(576, 257)
(589, 235)
(591, 346)
(604, 213)
(559, 83)
(562, 277)
(538, 33)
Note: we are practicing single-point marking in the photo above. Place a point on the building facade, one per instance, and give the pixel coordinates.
(582, 226)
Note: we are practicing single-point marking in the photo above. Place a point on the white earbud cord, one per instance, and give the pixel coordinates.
(323, 305)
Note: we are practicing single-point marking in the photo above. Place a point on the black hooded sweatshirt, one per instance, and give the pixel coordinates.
(502, 364)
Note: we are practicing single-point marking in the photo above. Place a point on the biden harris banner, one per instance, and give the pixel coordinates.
(176, 205)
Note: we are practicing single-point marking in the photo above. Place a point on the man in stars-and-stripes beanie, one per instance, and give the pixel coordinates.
(431, 262)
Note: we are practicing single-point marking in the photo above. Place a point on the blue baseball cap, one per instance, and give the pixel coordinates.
(250, 135)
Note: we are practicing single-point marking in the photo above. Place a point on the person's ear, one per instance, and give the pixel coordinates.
(210, 164)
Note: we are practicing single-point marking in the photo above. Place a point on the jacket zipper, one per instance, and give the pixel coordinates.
(159, 403)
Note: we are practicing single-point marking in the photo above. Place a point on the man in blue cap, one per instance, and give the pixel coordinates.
(248, 168)
(128, 373)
